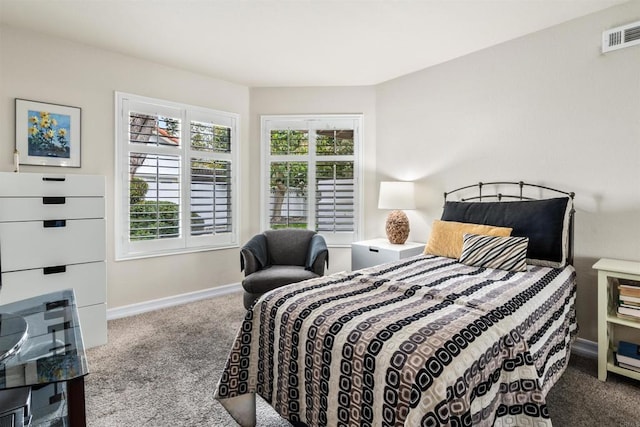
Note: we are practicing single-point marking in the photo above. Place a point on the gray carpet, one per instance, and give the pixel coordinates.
(160, 369)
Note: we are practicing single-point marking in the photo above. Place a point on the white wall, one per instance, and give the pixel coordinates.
(547, 108)
(42, 68)
(325, 100)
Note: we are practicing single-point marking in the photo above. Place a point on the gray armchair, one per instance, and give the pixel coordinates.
(280, 257)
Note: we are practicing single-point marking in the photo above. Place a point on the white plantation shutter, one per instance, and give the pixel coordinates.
(311, 174)
(212, 188)
(176, 182)
(157, 215)
(335, 197)
(287, 198)
(211, 197)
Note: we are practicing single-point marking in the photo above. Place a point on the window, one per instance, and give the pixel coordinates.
(175, 177)
(311, 174)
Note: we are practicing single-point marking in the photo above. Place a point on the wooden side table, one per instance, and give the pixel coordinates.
(609, 273)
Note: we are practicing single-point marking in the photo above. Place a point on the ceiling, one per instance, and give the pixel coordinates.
(262, 43)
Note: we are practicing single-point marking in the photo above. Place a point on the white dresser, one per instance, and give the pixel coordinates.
(52, 237)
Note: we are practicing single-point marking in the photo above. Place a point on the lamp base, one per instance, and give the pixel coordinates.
(397, 227)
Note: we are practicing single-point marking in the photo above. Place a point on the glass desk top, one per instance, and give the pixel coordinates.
(41, 341)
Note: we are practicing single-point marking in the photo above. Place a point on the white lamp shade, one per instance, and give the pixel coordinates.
(397, 195)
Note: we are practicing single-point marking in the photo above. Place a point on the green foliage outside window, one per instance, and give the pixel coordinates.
(210, 137)
(302, 225)
(151, 219)
(334, 143)
(137, 189)
(294, 175)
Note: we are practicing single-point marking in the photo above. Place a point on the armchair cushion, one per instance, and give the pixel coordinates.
(275, 276)
(288, 246)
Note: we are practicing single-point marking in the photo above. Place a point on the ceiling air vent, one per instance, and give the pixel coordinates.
(617, 38)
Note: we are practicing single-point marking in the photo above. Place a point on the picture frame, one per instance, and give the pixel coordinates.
(47, 134)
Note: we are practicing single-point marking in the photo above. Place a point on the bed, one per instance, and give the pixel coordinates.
(473, 337)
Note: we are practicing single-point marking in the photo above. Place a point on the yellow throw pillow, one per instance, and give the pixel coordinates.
(446, 237)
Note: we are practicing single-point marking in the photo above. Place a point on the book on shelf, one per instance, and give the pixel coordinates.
(627, 360)
(629, 282)
(624, 316)
(630, 367)
(633, 301)
(629, 312)
(629, 290)
(629, 349)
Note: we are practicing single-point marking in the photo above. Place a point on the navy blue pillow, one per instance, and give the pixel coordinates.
(544, 222)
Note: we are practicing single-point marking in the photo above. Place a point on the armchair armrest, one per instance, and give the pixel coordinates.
(254, 255)
(318, 255)
(321, 260)
(248, 262)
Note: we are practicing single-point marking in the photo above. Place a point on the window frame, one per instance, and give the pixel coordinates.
(312, 122)
(186, 243)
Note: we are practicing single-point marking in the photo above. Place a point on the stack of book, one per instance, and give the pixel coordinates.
(629, 300)
(628, 355)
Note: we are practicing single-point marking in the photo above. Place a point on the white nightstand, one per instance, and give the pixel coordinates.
(610, 271)
(368, 253)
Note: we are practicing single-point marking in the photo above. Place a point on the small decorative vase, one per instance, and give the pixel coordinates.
(397, 227)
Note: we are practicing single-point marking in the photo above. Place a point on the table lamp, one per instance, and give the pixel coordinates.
(397, 195)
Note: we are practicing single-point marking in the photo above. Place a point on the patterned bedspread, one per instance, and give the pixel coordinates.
(424, 341)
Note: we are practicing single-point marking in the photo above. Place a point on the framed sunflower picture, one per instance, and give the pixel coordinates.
(47, 134)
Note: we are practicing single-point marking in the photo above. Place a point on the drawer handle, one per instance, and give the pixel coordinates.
(376, 250)
(54, 200)
(53, 223)
(54, 270)
(45, 178)
(56, 304)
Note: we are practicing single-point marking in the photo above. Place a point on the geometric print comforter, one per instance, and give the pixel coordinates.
(424, 341)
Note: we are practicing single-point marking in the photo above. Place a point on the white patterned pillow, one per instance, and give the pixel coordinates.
(504, 253)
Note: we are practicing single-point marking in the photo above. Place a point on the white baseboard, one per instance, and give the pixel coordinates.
(143, 307)
(585, 348)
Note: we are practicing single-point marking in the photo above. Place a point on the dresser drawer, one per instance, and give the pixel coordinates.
(37, 244)
(38, 185)
(87, 280)
(41, 208)
(369, 253)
